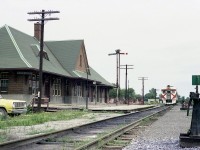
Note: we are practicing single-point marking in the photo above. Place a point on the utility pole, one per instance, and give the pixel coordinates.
(87, 71)
(126, 80)
(43, 14)
(117, 53)
(128, 92)
(142, 78)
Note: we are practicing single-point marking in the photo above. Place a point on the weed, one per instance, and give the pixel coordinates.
(3, 137)
(39, 118)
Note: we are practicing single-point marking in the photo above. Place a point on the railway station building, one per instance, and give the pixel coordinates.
(66, 72)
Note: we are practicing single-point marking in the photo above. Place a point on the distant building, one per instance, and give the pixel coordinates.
(64, 69)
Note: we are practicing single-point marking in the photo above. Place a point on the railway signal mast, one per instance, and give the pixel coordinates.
(143, 78)
(43, 18)
(117, 53)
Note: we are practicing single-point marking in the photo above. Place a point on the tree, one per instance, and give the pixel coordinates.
(152, 94)
(113, 93)
(138, 96)
(130, 93)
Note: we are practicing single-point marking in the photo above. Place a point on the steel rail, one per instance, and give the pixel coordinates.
(35, 139)
(97, 143)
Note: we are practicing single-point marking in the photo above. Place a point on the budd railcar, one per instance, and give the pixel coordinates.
(169, 95)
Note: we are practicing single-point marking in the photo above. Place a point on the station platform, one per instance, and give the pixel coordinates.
(101, 107)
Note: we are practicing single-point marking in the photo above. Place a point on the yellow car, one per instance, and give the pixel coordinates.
(12, 107)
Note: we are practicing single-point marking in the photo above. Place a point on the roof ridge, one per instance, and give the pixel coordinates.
(66, 40)
(4, 26)
(16, 46)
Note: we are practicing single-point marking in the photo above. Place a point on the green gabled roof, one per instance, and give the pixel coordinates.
(93, 76)
(66, 52)
(10, 56)
(97, 77)
(19, 49)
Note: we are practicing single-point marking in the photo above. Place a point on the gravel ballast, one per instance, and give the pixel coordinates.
(164, 133)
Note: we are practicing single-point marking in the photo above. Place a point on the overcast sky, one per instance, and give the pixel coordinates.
(161, 37)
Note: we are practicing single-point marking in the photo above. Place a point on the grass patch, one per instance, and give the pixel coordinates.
(39, 118)
(3, 137)
(149, 120)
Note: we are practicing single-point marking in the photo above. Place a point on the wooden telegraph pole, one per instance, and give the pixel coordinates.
(43, 14)
(142, 78)
(126, 67)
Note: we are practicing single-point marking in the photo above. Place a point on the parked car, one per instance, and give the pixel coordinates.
(12, 107)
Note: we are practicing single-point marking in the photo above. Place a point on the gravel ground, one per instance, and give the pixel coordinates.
(20, 132)
(164, 133)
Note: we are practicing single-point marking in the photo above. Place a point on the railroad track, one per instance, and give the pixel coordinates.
(88, 136)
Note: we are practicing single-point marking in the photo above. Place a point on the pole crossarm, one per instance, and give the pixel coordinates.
(126, 66)
(142, 78)
(45, 19)
(112, 54)
(43, 12)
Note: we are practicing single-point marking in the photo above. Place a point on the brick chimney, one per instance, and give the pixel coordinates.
(37, 31)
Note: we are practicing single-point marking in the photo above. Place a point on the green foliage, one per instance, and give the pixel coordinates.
(138, 96)
(3, 137)
(130, 93)
(113, 93)
(152, 94)
(39, 118)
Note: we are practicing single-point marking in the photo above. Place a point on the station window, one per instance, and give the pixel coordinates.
(4, 82)
(57, 87)
(33, 84)
(79, 89)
